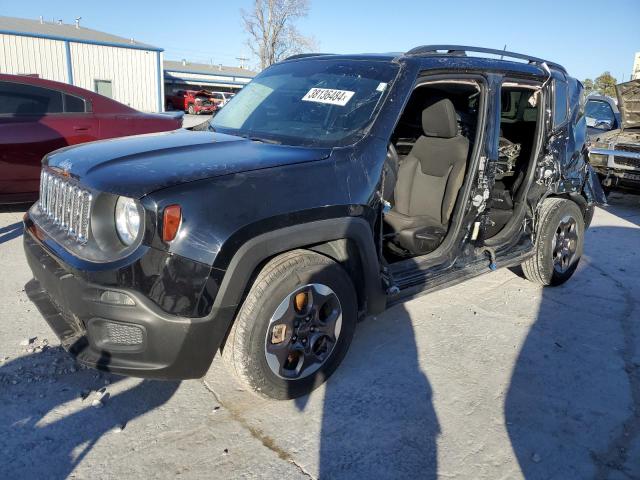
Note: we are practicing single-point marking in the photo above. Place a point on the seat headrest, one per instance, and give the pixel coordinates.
(439, 119)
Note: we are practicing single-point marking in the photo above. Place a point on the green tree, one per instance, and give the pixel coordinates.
(588, 86)
(606, 84)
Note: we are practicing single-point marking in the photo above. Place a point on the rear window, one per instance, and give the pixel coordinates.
(20, 99)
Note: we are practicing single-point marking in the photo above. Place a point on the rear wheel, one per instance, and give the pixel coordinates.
(294, 327)
(559, 243)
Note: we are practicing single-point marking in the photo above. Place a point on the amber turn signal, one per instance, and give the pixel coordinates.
(171, 222)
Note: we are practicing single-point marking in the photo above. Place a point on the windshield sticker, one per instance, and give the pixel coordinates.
(381, 87)
(328, 95)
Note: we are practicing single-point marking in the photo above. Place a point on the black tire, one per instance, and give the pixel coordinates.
(190, 110)
(245, 348)
(541, 268)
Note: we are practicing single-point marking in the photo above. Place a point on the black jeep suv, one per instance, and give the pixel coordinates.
(329, 188)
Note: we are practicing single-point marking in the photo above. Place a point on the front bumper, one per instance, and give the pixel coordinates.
(138, 340)
(205, 109)
(616, 167)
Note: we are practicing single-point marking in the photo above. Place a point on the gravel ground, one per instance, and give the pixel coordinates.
(492, 378)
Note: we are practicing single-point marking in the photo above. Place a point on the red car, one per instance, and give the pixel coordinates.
(38, 116)
(193, 102)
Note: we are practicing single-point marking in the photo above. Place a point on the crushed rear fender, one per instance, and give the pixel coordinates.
(592, 189)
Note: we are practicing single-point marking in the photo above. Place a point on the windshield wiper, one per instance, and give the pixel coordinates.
(263, 140)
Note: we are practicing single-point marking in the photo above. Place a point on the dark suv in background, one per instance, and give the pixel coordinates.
(330, 188)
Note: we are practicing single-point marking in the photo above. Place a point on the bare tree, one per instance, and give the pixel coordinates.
(272, 33)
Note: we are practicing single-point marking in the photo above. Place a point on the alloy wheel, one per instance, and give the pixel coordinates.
(565, 244)
(303, 331)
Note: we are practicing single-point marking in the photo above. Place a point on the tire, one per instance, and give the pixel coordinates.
(247, 349)
(547, 266)
(190, 110)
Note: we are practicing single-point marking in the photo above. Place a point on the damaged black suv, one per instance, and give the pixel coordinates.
(329, 188)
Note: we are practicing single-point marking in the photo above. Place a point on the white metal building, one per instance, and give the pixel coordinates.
(186, 75)
(124, 69)
(636, 67)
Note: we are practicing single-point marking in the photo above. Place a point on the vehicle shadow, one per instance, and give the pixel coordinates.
(10, 232)
(379, 398)
(51, 417)
(573, 405)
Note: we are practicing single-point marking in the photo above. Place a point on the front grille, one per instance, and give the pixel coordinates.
(66, 204)
(629, 162)
(628, 148)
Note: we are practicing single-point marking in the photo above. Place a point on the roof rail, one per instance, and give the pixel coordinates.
(305, 55)
(461, 50)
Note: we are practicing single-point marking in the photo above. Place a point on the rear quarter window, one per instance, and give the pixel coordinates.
(74, 104)
(560, 103)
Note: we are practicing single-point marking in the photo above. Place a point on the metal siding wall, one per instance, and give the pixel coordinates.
(45, 57)
(133, 73)
(160, 80)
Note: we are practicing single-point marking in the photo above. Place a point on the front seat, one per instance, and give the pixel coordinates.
(429, 179)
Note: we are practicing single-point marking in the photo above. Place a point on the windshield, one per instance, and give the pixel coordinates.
(598, 114)
(310, 103)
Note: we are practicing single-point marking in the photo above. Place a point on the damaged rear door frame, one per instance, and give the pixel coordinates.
(463, 255)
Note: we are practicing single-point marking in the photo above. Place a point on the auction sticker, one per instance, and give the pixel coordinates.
(328, 95)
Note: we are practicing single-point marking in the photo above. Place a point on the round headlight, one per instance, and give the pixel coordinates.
(127, 220)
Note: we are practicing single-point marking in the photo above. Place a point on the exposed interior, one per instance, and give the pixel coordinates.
(518, 120)
(429, 161)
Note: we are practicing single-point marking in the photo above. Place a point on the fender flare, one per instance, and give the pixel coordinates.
(255, 251)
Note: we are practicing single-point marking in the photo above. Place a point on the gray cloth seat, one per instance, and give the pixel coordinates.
(429, 180)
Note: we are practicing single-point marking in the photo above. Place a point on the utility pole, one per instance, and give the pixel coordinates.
(242, 60)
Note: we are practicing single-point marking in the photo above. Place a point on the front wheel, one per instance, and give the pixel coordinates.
(295, 326)
(191, 110)
(559, 243)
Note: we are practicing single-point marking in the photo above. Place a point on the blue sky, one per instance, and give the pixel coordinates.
(586, 36)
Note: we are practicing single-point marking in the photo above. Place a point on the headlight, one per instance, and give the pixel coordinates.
(598, 160)
(127, 219)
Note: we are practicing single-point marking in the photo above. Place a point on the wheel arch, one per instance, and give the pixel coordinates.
(348, 241)
(579, 199)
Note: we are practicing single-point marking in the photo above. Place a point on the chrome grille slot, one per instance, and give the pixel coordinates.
(66, 205)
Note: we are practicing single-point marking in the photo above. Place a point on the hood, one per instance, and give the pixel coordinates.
(138, 165)
(615, 137)
(629, 103)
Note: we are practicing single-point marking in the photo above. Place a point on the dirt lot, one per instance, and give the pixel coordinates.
(493, 378)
